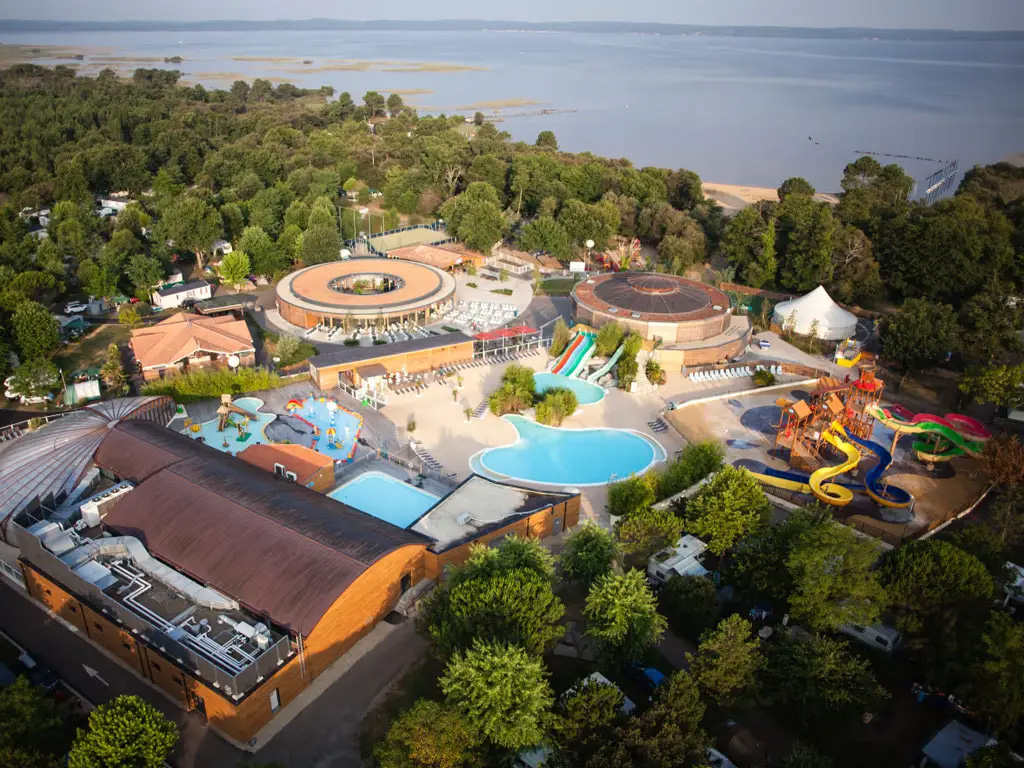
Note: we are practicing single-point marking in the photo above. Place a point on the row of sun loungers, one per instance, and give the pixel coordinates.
(724, 374)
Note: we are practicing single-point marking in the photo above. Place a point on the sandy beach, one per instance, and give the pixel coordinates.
(736, 196)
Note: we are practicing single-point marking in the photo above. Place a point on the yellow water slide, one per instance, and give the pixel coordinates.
(830, 493)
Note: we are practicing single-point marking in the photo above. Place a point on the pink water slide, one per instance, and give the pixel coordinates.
(965, 425)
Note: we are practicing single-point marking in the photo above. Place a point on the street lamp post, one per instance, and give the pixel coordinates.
(590, 247)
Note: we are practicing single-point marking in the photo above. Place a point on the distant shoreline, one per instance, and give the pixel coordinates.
(457, 25)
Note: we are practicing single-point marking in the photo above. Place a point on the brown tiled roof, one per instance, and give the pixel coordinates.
(182, 335)
(303, 461)
(282, 550)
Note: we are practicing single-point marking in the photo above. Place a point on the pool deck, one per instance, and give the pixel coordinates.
(442, 429)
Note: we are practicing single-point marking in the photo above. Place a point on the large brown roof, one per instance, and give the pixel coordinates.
(182, 335)
(649, 296)
(281, 550)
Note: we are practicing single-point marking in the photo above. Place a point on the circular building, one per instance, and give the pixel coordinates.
(364, 292)
(668, 307)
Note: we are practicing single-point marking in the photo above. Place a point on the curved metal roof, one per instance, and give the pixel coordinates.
(52, 459)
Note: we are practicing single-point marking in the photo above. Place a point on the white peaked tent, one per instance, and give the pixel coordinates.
(834, 322)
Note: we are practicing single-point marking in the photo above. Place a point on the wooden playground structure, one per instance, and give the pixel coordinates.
(804, 426)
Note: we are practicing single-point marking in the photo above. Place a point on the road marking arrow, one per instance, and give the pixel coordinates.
(93, 673)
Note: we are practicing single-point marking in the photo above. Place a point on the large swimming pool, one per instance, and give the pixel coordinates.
(573, 457)
(385, 498)
(586, 393)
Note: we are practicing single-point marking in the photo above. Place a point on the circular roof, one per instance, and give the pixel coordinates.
(318, 288)
(651, 296)
(53, 458)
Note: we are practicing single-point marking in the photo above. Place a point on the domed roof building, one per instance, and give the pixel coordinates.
(47, 464)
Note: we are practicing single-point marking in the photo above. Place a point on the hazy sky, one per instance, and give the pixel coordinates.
(951, 14)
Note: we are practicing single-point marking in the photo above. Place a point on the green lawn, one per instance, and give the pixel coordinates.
(91, 350)
(557, 286)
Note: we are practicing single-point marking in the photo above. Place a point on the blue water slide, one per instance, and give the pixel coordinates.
(873, 479)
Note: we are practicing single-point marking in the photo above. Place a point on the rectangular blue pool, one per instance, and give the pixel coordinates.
(386, 498)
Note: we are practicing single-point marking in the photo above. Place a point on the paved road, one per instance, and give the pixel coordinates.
(58, 648)
(325, 734)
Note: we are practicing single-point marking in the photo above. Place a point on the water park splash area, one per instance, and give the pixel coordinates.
(316, 422)
(386, 498)
(840, 442)
(238, 425)
(568, 457)
(319, 423)
(586, 393)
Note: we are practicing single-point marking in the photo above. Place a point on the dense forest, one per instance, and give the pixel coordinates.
(272, 169)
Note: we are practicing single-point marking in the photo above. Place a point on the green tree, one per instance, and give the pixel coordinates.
(645, 532)
(997, 756)
(589, 553)
(320, 243)
(395, 104)
(193, 225)
(608, 339)
(235, 268)
(796, 185)
(817, 679)
(930, 581)
(584, 720)
(749, 245)
(547, 140)
(559, 338)
(990, 324)
(478, 118)
(833, 576)
(871, 192)
(266, 256)
(1001, 385)
(145, 273)
(35, 377)
(516, 393)
(632, 495)
(34, 733)
(298, 213)
(502, 691)
(690, 603)
(666, 735)
(918, 335)
(622, 616)
(129, 316)
(806, 234)
(805, 756)
(475, 216)
(997, 675)
(112, 371)
(855, 271)
(499, 595)
(126, 732)
(728, 660)
(678, 253)
(697, 461)
(546, 235)
(97, 279)
(36, 331)
(375, 103)
(728, 508)
(429, 735)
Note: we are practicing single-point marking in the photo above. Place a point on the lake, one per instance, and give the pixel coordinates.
(736, 110)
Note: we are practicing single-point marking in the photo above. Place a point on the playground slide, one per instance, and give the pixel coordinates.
(567, 355)
(929, 424)
(591, 345)
(881, 493)
(607, 366)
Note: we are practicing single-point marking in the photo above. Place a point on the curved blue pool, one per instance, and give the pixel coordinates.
(556, 456)
(586, 393)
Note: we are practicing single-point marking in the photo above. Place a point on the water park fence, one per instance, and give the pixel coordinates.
(366, 239)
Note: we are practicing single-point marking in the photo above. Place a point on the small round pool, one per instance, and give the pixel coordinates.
(558, 456)
(586, 393)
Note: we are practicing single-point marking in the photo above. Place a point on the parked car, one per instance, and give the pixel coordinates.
(764, 344)
(75, 307)
(648, 676)
(39, 674)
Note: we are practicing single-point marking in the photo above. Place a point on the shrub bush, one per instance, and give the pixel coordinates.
(516, 393)
(558, 404)
(654, 372)
(608, 339)
(690, 604)
(351, 342)
(763, 378)
(198, 385)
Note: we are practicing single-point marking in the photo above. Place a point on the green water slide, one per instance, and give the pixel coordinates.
(956, 444)
(589, 345)
(607, 366)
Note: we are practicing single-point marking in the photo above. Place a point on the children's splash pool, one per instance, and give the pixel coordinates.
(323, 425)
(586, 393)
(572, 457)
(244, 426)
(386, 498)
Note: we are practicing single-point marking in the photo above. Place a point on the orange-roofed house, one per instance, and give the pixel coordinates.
(297, 463)
(187, 341)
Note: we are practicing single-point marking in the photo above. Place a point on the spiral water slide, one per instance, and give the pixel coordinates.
(963, 435)
(819, 482)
